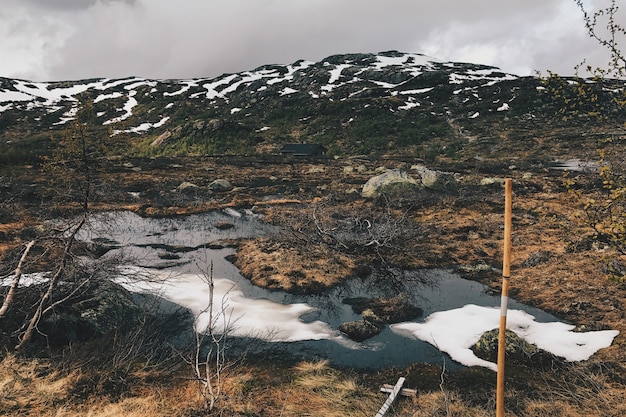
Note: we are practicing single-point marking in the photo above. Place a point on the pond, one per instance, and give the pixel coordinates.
(176, 252)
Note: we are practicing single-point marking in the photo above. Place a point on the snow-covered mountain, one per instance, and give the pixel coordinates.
(350, 103)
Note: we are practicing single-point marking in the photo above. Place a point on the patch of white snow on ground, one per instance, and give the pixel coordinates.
(128, 108)
(103, 97)
(142, 127)
(287, 90)
(240, 316)
(455, 331)
(68, 116)
(409, 105)
(336, 73)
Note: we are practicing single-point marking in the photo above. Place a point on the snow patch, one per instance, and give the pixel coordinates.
(455, 331)
(336, 73)
(103, 97)
(128, 108)
(287, 91)
(504, 107)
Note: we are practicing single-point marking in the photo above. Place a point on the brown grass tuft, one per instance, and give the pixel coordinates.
(26, 383)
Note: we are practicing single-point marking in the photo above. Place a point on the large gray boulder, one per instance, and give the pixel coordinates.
(434, 180)
(220, 185)
(517, 350)
(99, 309)
(186, 186)
(389, 182)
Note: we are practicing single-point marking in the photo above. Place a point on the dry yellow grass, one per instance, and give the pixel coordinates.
(444, 404)
(26, 383)
(463, 234)
(271, 265)
(318, 390)
(31, 387)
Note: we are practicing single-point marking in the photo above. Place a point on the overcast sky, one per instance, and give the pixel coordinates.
(49, 40)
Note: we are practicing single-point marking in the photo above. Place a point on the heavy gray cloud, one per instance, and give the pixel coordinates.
(68, 4)
(75, 39)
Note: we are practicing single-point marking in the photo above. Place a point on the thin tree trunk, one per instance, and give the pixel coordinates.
(16, 280)
(34, 321)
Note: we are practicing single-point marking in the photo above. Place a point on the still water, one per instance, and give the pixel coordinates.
(176, 252)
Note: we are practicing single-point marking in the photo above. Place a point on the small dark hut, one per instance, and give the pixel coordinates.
(301, 150)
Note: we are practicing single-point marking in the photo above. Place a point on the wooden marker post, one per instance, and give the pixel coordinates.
(506, 273)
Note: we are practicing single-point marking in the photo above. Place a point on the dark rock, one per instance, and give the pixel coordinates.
(168, 256)
(360, 330)
(362, 271)
(487, 345)
(29, 233)
(92, 249)
(101, 308)
(615, 269)
(477, 271)
(384, 310)
(186, 186)
(224, 225)
(517, 350)
(220, 185)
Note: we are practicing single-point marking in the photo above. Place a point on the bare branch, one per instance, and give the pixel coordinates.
(34, 321)
(16, 280)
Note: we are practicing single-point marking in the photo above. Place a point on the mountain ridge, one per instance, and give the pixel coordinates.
(352, 104)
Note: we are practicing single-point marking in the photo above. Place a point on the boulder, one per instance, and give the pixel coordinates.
(435, 180)
(384, 310)
(491, 181)
(476, 271)
(537, 258)
(102, 307)
(517, 350)
(376, 313)
(360, 330)
(161, 138)
(224, 225)
(389, 182)
(220, 185)
(186, 186)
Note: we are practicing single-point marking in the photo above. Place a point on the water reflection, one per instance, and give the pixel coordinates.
(179, 250)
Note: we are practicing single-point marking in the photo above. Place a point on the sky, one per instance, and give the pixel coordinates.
(52, 40)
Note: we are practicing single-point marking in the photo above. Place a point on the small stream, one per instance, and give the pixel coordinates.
(178, 250)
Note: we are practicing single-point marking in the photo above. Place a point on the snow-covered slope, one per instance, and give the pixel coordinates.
(404, 98)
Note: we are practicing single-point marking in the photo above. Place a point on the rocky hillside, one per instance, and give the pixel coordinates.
(386, 103)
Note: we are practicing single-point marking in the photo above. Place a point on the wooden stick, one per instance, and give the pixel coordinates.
(391, 398)
(506, 273)
(405, 392)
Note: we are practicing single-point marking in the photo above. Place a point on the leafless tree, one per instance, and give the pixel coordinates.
(210, 362)
(71, 164)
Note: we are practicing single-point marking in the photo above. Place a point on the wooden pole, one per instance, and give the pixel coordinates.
(506, 274)
(392, 396)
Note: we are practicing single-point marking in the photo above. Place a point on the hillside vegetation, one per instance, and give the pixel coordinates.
(359, 104)
(158, 147)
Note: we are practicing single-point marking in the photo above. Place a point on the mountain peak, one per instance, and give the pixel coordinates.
(386, 99)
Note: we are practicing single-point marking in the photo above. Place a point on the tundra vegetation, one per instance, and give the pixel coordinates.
(78, 354)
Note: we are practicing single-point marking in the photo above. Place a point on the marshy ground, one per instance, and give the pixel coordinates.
(556, 266)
